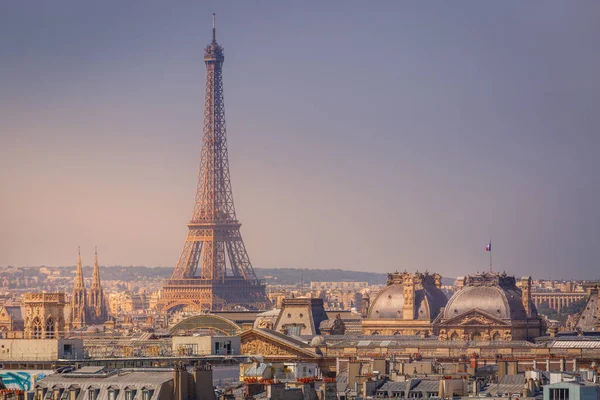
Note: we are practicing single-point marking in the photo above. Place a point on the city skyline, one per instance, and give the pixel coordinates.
(370, 140)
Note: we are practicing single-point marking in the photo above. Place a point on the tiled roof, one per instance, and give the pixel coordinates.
(120, 380)
(508, 384)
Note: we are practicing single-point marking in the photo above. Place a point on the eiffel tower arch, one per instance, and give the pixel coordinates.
(214, 272)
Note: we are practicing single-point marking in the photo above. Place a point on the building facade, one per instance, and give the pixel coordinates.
(490, 307)
(44, 315)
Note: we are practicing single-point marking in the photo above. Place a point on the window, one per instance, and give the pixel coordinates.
(294, 330)
(74, 393)
(92, 394)
(112, 394)
(559, 394)
(50, 328)
(37, 328)
(129, 394)
(147, 394)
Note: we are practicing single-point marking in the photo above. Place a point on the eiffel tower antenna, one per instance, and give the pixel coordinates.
(214, 28)
(214, 271)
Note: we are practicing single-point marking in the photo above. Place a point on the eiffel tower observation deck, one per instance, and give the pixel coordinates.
(214, 272)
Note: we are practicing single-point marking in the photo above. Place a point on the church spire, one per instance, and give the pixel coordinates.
(96, 273)
(79, 296)
(79, 270)
(97, 310)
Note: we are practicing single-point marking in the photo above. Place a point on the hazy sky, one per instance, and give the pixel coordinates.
(373, 136)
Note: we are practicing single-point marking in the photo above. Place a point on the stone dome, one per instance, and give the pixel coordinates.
(389, 303)
(499, 298)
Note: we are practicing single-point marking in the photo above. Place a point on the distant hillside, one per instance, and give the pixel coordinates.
(274, 276)
(291, 276)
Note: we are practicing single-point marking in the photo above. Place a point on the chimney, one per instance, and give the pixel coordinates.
(203, 382)
(275, 391)
(513, 368)
(475, 387)
(180, 382)
(502, 369)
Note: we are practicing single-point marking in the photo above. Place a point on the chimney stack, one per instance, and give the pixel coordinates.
(203, 382)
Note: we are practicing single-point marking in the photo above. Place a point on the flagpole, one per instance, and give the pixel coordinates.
(490, 255)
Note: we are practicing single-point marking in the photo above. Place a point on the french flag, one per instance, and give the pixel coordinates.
(489, 247)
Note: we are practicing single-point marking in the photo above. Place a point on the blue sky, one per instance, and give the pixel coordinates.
(381, 136)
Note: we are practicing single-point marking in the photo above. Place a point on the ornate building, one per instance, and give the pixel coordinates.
(11, 320)
(588, 319)
(490, 307)
(88, 306)
(301, 316)
(97, 312)
(407, 306)
(214, 247)
(78, 298)
(44, 315)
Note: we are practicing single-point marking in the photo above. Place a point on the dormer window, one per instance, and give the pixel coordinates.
(92, 394)
(39, 394)
(73, 392)
(129, 394)
(112, 393)
(147, 394)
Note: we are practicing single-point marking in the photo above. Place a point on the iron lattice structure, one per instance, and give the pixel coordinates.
(226, 278)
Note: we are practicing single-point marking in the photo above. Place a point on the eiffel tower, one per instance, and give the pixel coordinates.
(226, 279)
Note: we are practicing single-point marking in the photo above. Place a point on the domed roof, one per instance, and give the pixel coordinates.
(497, 297)
(389, 303)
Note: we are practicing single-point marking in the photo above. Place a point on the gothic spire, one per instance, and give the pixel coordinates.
(79, 270)
(96, 273)
(79, 296)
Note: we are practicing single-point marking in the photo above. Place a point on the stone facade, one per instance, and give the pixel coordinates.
(490, 307)
(301, 316)
(588, 319)
(44, 315)
(11, 320)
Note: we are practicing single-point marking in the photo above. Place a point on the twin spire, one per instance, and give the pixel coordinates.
(88, 306)
(79, 271)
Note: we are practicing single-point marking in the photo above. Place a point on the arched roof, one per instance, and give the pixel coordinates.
(501, 302)
(389, 303)
(208, 321)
